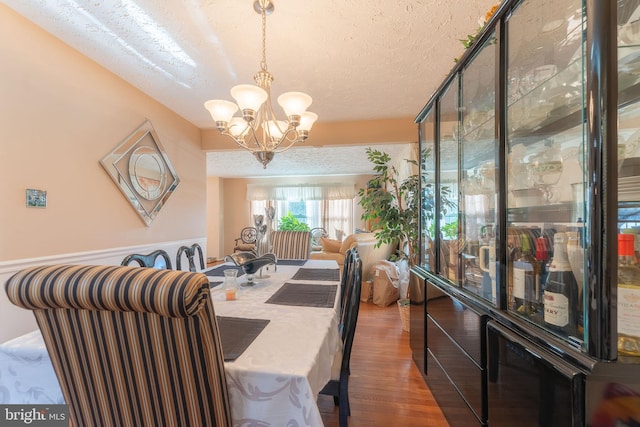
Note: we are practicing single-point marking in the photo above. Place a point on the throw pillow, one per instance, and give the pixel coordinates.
(330, 245)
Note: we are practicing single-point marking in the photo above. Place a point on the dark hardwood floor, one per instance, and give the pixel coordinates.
(385, 387)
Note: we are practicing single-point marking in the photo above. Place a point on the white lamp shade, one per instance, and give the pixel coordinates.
(276, 128)
(237, 126)
(221, 111)
(294, 103)
(307, 120)
(249, 97)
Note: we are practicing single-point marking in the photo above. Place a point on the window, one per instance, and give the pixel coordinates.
(327, 206)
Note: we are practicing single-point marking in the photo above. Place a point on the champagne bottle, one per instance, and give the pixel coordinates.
(542, 255)
(628, 297)
(561, 291)
(526, 271)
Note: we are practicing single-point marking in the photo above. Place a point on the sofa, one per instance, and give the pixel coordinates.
(333, 249)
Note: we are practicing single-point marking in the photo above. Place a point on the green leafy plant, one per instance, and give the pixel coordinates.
(394, 204)
(291, 223)
(450, 231)
(471, 38)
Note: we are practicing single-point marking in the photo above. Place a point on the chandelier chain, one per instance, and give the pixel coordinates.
(263, 63)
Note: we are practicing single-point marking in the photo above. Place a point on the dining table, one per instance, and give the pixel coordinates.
(280, 337)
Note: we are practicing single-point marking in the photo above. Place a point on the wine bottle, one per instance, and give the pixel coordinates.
(561, 291)
(628, 297)
(526, 270)
(542, 255)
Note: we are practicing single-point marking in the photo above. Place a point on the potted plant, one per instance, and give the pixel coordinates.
(392, 203)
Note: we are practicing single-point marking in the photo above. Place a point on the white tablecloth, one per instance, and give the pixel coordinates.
(26, 373)
(275, 382)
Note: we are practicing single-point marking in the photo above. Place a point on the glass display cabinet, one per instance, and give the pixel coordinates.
(531, 173)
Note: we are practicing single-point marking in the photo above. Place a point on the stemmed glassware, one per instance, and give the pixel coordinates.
(545, 169)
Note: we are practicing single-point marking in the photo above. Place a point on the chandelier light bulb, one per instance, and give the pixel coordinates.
(221, 111)
(294, 103)
(249, 97)
(238, 127)
(307, 120)
(276, 128)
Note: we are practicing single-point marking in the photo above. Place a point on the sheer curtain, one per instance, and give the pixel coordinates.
(329, 206)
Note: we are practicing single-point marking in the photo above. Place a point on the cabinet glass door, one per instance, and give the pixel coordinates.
(449, 131)
(545, 153)
(629, 175)
(478, 191)
(428, 182)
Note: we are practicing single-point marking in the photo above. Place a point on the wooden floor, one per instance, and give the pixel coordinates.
(385, 387)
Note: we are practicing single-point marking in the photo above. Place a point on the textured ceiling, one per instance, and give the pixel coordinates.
(302, 161)
(358, 59)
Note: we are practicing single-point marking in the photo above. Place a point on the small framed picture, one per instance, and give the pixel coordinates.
(36, 198)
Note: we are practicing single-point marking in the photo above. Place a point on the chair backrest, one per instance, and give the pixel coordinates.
(129, 345)
(190, 251)
(150, 260)
(347, 276)
(350, 312)
(291, 244)
(248, 235)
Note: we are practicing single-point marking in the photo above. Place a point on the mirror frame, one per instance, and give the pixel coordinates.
(121, 165)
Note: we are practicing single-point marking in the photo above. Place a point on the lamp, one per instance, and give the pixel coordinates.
(258, 130)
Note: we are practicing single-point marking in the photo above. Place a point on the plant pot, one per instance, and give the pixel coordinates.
(404, 306)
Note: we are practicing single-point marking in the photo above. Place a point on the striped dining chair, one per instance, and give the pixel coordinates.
(130, 346)
(291, 244)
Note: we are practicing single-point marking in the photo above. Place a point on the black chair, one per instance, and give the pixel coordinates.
(190, 252)
(150, 260)
(339, 388)
(347, 271)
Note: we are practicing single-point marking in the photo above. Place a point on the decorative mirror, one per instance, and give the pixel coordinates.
(141, 169)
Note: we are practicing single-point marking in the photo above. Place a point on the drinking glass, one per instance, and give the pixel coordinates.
(545, 170)
(230, 285)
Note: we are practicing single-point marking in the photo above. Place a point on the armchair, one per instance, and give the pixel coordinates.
(247, 240)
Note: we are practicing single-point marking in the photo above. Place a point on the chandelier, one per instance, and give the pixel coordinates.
(258, 130)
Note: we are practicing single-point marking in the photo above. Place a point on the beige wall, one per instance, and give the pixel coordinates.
(236, 207)
(215, 203)
(60, 113)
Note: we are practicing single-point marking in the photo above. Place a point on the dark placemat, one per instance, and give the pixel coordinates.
(306, 295)
(317, 274)
(237, 333)
(219, 271)
(214, 283)
(292, 261)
